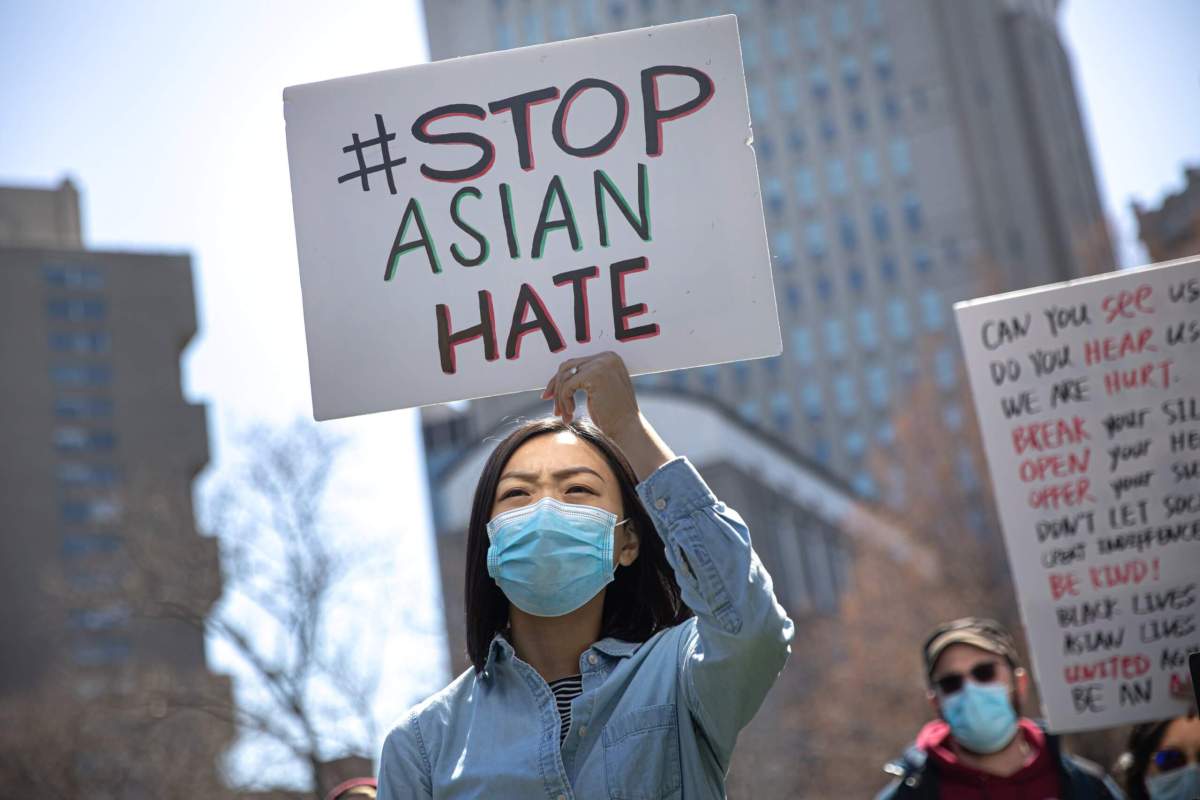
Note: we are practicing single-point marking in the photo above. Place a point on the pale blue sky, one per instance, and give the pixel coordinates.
(168, 115)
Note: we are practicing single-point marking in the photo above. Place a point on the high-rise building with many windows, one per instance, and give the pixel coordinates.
(910, 155)
(98, 451)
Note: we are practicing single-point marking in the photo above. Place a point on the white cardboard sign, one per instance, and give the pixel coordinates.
(466, 225)
(1088, 396)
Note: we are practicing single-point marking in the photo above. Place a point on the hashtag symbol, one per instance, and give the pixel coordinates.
(357, 146)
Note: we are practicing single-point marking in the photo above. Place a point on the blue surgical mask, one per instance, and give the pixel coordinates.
(549, 558)
(1178, 784)
(982, 718)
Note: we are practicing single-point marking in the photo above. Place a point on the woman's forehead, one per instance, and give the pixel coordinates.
(1184, 731)
(555, 451)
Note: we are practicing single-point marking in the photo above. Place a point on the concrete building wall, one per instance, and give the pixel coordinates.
(1173, 229)
(32, 217)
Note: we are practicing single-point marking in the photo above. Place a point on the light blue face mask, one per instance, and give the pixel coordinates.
(549, 558)
(1178, 784)
(982, 718)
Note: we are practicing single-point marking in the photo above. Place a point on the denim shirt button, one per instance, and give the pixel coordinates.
(660, 504)
(582, 730)
(591, 659)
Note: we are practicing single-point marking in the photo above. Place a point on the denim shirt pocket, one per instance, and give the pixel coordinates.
(641, 754)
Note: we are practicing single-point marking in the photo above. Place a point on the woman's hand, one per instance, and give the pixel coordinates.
(611, 404)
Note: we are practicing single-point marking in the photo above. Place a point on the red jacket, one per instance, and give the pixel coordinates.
(1037, 780)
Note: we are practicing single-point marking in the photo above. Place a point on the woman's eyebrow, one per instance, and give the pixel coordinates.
(559, 475)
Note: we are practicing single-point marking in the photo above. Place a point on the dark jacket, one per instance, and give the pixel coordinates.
(1081, 779)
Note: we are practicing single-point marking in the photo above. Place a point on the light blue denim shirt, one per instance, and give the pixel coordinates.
(656, 719)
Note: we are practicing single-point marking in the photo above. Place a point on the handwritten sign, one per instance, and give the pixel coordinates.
(464, 226)
(1088, 395)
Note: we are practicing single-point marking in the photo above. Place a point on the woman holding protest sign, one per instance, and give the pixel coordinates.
(620, 627)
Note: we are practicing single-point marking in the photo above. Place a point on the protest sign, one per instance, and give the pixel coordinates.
(465, 226)
(1088, 396)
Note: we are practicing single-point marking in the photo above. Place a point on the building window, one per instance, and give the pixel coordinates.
(854, 276)
(741, 374)
(953, 417)
(785, 253)
(818, 81)
(922, 261)
(873, 13)
(101, 652)
(855, 444)
(877, 386)
(83, 343)
(858, 118)
(107, 617)
(789, 102)
(83, 407)
(898, 320)
(887, 268)
(932, 310)
(810, 398)
(792, 292)
(766, 147)
(824, 287)
(885, 434)
(840, 22)
(822, 452)
(901, 160)
(587, 15)
(81, 375)
(851, 72)
(616, 9)
(710, 379)
(95, 510)
(835, 339)
(848, 233)
(749, 51)
(85, 545)
(968, 478)
(748, 411)
(75, 439)
(72, 277)
(868, 167)
(773, 194)
(505, 39)
(891, 107)
(802, 347)
(945, 369)
(759, 108)
(844, 395)
(815, 238)
(772, 367)
(532, 28)
(881, 56)
(560, 26)
(796, 140)
(806, 186)
(864, 484)
(828, 130)
(76, 309)
(868, 332)
(836, 172)
(81, 474)
(781, 410)
(879, 223)
(779, 42)
(810, 32)
(912, 212)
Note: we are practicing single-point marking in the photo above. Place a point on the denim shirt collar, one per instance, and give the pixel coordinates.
(500, 650)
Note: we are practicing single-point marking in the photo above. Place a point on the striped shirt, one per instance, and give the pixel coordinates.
(565, 690)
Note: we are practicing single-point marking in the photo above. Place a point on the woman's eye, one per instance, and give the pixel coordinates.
(513, 493)
(586, 489)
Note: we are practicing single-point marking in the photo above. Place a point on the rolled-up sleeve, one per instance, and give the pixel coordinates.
(404, 771)
(740, 638)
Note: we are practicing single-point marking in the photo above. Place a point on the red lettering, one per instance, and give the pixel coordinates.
(1048, 435)
(1126, 304)
(1058, 495)
(1131, 573)
(1062, 584)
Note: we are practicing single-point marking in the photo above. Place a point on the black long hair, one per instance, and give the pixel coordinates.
(1144, 741)
(642, 599)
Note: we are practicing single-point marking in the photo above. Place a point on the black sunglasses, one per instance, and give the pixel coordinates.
(980, 673)
(1171, 759)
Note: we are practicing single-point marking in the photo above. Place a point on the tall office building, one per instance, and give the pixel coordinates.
(910, 154)
(98, 451)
